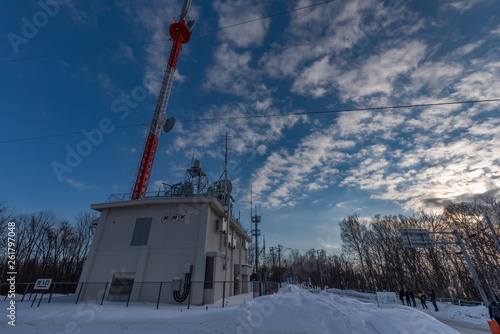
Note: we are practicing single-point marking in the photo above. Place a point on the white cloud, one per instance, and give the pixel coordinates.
(316, 153)
(377, 75)
(338, 31)
(421, 168)
(463, 5)
(230, 72)
(106, 83)
(76, 184)
(496, 31)
(233, 12)
(435, 75)
(468, 48)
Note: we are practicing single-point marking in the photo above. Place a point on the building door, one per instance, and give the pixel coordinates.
(236, 287)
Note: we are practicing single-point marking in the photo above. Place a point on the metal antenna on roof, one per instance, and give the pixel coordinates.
(255, 231)
(228, 199)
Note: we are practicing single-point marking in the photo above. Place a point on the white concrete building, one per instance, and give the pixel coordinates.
(140, 243)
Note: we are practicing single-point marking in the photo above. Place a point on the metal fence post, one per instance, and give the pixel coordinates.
(130, 294)
(52, 292)
(190, 292)
(41, 297)
(79, 293)
(104, 293)
(223, 293)
(33, 302)
(25, 290)
(159, 295)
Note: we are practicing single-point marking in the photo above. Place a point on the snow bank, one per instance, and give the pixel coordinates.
(292, 310)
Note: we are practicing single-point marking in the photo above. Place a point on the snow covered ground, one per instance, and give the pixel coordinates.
(292, 310)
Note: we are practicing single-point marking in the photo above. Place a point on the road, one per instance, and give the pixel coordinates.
(466, 328)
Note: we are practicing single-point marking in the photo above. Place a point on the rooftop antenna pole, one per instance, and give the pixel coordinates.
(228, 199)
(255, 233)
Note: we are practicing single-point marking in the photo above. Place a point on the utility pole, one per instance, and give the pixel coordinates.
(228, 202)
(320, 274)
(255, 233)
(271, 249)
(279, 264)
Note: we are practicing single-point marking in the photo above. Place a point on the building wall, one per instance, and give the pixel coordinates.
(171, 244)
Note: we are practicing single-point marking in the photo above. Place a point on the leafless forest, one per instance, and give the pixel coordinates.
(372, 256)
(45, 247)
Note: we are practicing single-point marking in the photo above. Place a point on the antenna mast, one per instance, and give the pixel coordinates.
(180, 34)
(255, 231)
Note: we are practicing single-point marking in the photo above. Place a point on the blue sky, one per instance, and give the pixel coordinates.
(307, 172)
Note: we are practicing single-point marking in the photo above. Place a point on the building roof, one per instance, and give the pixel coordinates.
(144, 202)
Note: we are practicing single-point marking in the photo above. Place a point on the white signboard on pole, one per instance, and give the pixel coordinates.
(43, 283)
(387, 299)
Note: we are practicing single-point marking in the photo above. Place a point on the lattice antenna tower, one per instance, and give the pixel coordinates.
(180, 34)
(255, 230)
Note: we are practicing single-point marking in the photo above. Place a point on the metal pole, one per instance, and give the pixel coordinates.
(190, 293)
(228, 199)
(159, 294)
(490, 225)
(130, 293)
(104, 293)
(79, 293)
(41, 297)
(471, 267)
(25, 290)
(52, 292)
(320, 275)
(33, 302)
(31, 294)
(476, 254)
(279, 265)
(223, 292)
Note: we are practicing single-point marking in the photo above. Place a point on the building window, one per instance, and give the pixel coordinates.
(121, 283)
(140, 236)
(209, 273)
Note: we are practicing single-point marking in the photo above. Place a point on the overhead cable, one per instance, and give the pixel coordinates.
(421, 105)
(155, 41)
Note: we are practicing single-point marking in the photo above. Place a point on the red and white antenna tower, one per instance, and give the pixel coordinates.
(180, 34)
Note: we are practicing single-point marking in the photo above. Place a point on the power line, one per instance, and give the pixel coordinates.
(343, 110)
(262, 18)
(155, 41)
(80, 51)
(65, 134)
(435, 104)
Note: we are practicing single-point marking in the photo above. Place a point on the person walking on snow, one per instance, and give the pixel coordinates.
(410, 296)
(421, 296)
(402, 296)
(432, 295)
(407, 295)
